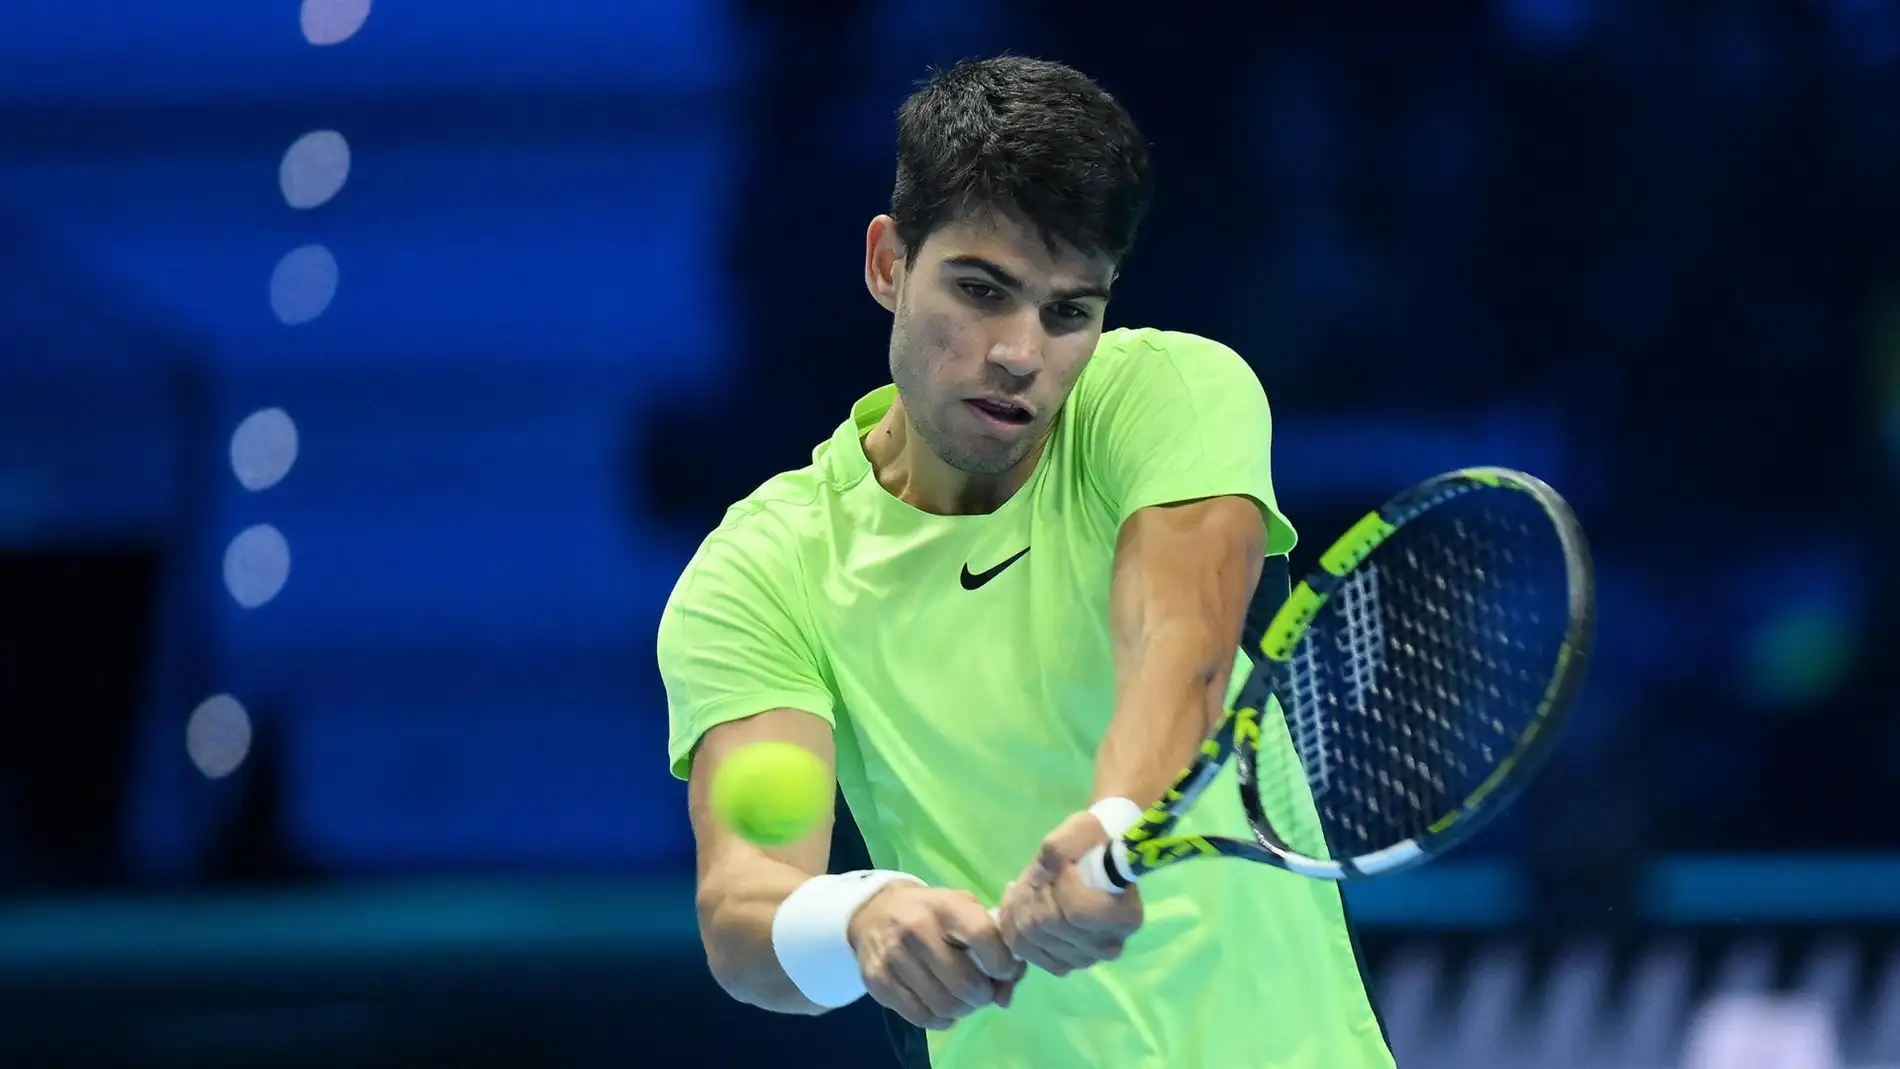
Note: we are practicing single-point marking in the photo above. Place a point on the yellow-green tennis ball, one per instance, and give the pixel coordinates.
(772, 793)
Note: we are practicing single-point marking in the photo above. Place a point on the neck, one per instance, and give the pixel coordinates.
(913, 473)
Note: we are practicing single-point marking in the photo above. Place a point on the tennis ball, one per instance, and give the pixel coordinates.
(772, 793)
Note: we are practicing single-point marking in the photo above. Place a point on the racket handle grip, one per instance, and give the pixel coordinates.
(1094, 868)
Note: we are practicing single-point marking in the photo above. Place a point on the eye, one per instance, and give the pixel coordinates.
(1072, 313)
(979, 291)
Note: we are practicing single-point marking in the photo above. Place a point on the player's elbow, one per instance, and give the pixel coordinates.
(739, 954)
(726, 958)
(762, 984)
(780, 998)
(742, 980)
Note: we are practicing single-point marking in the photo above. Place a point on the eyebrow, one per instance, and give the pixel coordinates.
(1009, 281)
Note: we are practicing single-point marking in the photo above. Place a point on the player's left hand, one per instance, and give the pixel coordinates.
(1053, 920)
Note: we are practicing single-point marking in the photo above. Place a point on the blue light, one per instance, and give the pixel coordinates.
(1772, 887)
(1544, 24)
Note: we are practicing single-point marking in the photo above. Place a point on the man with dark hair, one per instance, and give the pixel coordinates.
(1003, 604)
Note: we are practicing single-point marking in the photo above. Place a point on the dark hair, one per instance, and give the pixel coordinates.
(1027, 137)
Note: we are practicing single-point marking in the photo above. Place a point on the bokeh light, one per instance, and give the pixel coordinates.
(1646, 252)
(218, 736)
(256, 565)
(1750, 1029)
(314, 168)
(263, 448)
(1802, 655)
(303, 284)
(329, 22)
(1798, 647)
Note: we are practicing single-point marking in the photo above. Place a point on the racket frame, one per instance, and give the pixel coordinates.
(1149, 844)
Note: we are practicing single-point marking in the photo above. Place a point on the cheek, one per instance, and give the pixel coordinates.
(1074, 358)
(938, 334)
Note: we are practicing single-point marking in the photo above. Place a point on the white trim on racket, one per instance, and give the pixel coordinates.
(1395, 856)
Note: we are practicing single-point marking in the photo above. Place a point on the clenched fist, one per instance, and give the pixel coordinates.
(932, 955)
(1052, 918)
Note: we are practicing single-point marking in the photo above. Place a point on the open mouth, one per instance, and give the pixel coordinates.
(1001, 411)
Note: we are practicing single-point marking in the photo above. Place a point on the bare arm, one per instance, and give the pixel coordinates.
(1183, 577)
(933, 955)
(742, 885)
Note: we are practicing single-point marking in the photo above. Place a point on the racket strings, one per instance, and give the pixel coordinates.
(1420, 675)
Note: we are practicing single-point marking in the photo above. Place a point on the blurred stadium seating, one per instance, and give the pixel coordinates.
(555, 285)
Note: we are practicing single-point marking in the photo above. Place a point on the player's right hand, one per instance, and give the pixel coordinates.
(934, 956)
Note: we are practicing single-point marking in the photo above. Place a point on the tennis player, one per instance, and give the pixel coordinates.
(1003, 602)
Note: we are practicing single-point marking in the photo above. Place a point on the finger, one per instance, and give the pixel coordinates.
(1098, 915)
(997, 962)
(1048, 864)
(950, 968)
(904, 1002)
(981, 939)
(1061, 847)
(1006, 991)
(890, 992)
(1036, 956)
(1033, 956)
(1042, 941)
(1091, 924)
(1061, 939)
(1060, 949)
(1015, 928)
(1016, 916)
(963, 978)
(1023, 908)
(921, 978)
(994, 975)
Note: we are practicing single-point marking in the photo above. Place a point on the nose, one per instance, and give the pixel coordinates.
(1019, 349)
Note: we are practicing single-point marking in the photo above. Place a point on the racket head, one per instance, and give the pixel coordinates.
(1412, 685)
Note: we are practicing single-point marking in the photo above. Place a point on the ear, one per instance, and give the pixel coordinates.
(883, 261)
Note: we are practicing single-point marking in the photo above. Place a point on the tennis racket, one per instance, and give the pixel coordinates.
(1402, 694)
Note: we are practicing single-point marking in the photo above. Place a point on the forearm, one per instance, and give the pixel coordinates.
(1168, 699)
(742, 886)
(736, 912)
(1183, 578)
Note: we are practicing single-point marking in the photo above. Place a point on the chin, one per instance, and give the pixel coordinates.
(987, 462)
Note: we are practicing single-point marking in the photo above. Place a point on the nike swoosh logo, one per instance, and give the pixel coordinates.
(972, 582)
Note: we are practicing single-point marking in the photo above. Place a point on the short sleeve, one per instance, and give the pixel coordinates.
(730, 645)
(1174, 417)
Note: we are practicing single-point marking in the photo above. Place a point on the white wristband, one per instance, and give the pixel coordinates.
(809, 933)
(1117, 815)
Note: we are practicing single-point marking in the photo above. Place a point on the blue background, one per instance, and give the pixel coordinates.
(599, 276)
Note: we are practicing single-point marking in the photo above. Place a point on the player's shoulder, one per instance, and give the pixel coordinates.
(1134, 341)
(767, 524)
(1134, 364)
(1151, 350)
(766, 539)
(747, 569)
